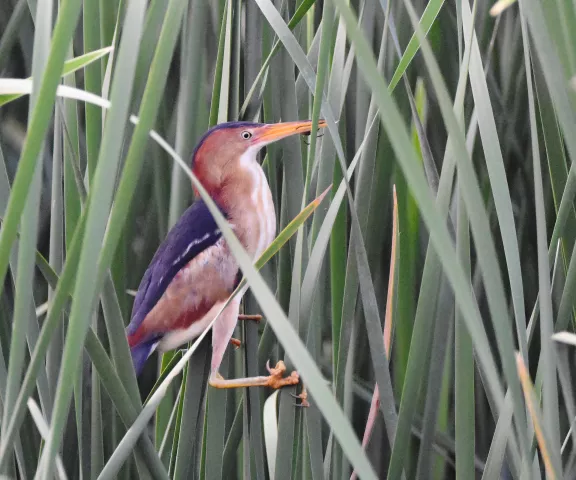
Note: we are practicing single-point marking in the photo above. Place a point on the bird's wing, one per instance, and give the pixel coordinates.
(195, 231)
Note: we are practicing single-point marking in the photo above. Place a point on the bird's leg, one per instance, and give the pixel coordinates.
(274, 380)
(221, 334)
(254, 318)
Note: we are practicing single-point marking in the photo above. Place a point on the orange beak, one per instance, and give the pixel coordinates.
(277, 131)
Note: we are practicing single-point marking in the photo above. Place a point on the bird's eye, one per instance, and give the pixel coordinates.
(246, 135)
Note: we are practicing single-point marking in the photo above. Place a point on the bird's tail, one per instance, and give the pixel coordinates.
(141, 352)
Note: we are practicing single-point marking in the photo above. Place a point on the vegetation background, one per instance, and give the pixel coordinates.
(459, 312)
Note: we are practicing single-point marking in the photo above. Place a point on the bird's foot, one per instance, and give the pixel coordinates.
(303, 397)
(254, 318)
(276, 378)
(237, 343)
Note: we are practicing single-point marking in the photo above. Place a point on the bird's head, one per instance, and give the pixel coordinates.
(226, 149)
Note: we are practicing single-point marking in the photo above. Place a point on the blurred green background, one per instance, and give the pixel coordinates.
(466, 110)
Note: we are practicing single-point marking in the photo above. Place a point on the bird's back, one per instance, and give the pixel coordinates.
(194, 233)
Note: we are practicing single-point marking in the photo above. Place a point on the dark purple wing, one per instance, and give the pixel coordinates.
(195, 231)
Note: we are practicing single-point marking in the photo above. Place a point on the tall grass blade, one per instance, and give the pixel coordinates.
(95, 225)
(24, 313)
(70, 66)
(549, 456)
(547, 363)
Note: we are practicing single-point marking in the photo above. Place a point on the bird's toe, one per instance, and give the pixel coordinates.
(303, 397)
(277, 381)
(278, 370)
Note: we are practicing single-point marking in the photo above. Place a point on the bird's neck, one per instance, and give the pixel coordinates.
(246, 198)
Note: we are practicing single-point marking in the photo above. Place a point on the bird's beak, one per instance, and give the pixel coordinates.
(277, 131)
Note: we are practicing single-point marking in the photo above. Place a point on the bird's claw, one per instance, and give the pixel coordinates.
(277, 380)
(303, 397)
(304, 135)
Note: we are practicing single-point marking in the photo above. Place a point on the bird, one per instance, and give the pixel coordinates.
(193, 271)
